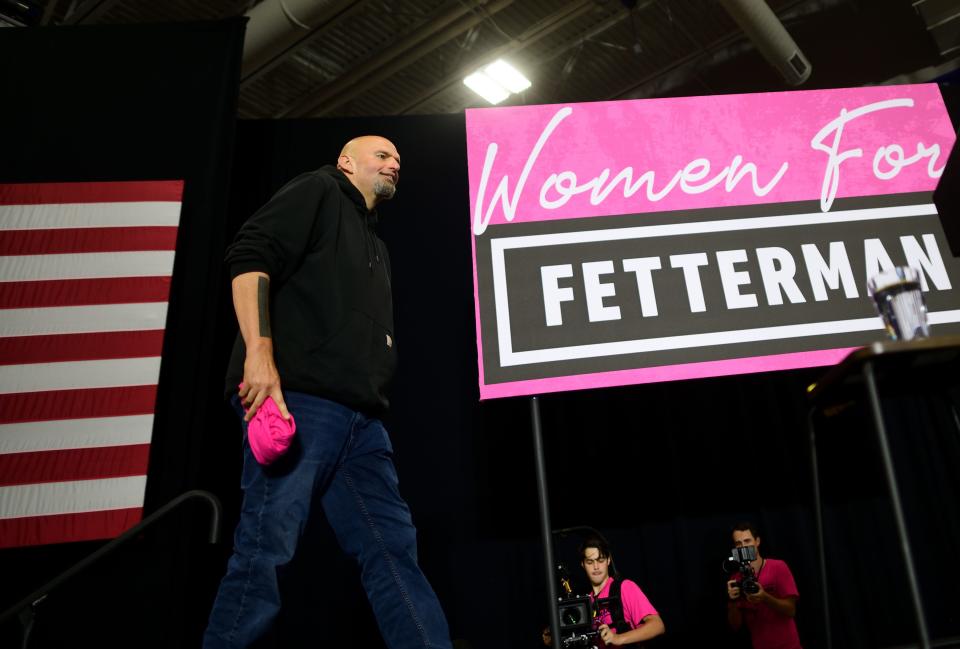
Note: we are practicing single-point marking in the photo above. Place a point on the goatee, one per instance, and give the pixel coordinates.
(384, 189)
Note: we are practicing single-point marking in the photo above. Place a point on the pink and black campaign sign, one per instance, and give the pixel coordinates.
(630, 242)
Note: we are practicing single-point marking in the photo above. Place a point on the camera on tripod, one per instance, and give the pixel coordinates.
(739, 561)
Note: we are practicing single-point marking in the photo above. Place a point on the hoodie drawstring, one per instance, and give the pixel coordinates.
(370, 241)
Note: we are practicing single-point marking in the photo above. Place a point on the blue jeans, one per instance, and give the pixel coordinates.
(343, 458)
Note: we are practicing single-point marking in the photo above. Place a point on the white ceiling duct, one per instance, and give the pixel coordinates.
(277, 27)
(770, 37)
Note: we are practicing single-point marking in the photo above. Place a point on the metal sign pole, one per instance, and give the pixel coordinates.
(546, 535)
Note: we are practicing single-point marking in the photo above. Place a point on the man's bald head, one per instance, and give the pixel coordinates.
(372, 164)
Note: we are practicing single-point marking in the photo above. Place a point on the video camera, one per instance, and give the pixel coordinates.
(578, 614)
(739, 561)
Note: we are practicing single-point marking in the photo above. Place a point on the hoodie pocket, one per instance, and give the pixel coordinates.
(358, 339)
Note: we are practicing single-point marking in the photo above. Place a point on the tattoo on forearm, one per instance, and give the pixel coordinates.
(263, 305)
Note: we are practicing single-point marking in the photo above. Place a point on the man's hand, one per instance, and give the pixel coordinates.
(261, 380)
(733, 589)
(759, 596)
(608, 636)
(786, 606)
(650, 627)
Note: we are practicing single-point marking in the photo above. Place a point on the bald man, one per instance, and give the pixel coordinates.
(311, 290)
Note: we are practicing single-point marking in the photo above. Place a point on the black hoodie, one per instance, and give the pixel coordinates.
(331, 312)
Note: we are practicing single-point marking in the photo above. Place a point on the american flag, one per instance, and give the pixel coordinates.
(84, 284)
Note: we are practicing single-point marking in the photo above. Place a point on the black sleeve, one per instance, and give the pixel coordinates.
(277, 236)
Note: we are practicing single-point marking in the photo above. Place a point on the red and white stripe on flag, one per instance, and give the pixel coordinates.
(84, 284)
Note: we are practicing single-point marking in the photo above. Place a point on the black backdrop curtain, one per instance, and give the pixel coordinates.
(143, 102)
(663, 470)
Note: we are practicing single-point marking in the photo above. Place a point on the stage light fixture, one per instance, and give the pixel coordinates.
(486, 87)
(497, 81)
(507, 76)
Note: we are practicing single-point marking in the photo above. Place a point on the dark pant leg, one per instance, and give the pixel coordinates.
(276, 504)
(373, 525)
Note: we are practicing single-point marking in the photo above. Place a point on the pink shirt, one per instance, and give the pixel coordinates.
(769, 629)
(636, 606)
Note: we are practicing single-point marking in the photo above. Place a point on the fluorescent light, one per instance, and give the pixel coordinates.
(507, 76)
(486, 87)
(497, 81)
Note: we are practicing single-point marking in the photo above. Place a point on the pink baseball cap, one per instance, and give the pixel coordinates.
(268, 433)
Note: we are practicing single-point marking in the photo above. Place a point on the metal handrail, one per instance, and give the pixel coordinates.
(24, 608)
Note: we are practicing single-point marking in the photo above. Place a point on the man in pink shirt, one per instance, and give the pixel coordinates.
(640, 620)
(769, 612)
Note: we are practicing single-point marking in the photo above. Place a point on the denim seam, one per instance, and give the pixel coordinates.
(386, 556)
(348, 444)
(246, 586)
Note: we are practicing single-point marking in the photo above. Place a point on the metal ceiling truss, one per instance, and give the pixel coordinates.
(308, 58)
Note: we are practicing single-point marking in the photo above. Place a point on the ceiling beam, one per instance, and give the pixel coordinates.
(595, 31)
(89, 11)
(48, 13)
(413, 46)
(569, 12)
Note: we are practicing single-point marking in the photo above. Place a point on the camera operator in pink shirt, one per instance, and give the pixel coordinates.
(762, 594)
(632, 618)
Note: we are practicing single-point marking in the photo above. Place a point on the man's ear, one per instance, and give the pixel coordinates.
(756, 541)
(345, 164)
